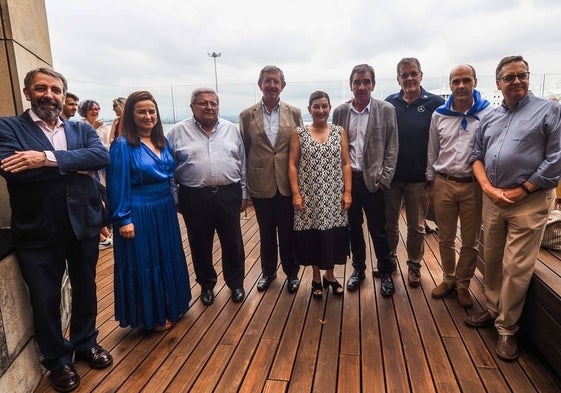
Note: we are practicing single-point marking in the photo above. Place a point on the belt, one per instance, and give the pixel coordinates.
(469, 179)
(212, 189)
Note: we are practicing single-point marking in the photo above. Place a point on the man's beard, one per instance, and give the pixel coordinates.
(46, 114)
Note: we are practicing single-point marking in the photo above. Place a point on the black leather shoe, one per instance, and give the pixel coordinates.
(207, 297)
(264, 282)
(386, 285)
(376, 273)
(96, 357)
(292, 284)
(355, 279)
(237, 295)
(65, 379)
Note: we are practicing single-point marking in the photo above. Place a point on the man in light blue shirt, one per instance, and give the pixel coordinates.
(453, 190)
(210, 157)
(517, 161)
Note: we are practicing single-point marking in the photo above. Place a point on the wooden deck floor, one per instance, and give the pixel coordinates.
(279, 342)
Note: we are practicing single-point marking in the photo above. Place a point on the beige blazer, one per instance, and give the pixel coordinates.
(267, 164)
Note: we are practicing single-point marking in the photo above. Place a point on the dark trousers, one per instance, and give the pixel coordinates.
(275, 216)
(373, 205)
(43, 270)
(206, 210)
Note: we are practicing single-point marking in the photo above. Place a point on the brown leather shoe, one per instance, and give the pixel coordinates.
(464, 298)
(442, 290)
(414, 278)
(507, 348)
(480, 319)
(96, 357)
(65, 379)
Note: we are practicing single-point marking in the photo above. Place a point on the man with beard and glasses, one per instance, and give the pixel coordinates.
(57, 214)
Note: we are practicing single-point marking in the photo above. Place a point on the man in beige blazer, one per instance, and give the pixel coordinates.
(266, 128)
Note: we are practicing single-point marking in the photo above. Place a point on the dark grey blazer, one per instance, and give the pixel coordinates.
(43, 200)
(380, 142)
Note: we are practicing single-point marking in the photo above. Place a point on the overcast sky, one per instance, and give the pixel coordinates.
(166, 42)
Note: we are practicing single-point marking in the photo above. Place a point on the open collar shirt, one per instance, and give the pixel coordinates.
(271, 122)
(206, 160)
(357, 131)
(521, 144)
(450, 145)
(57, 137)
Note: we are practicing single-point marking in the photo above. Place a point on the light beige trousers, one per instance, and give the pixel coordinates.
(512, 238)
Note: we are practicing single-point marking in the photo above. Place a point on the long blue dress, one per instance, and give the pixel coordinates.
(151, 279)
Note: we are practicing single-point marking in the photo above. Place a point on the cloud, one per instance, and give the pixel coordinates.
(157, 44)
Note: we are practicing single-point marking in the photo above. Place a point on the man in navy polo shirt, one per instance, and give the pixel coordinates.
(414, 107)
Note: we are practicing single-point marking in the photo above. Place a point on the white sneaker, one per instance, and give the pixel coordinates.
(108, 242)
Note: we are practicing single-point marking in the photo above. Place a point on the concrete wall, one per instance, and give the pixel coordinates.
(24, 45)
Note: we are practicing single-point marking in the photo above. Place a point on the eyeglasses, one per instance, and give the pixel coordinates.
(510, 78)
(412, 74)
(204, 104)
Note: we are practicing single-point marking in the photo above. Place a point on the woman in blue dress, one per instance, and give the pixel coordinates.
(151, 281)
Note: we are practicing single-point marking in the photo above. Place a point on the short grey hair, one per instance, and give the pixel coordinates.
(203, 90)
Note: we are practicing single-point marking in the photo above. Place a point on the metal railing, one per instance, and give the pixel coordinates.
(173, 100)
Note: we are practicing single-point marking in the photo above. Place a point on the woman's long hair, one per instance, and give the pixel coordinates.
(129, 131)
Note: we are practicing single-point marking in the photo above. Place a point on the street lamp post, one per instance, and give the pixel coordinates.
(214, 55)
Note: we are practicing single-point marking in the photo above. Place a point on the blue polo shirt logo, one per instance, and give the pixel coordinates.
(421, 108)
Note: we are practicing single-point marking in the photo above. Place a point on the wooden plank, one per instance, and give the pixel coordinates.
(261, 363)
(273, 386)
(404, 333)
(464, 377)
(303, 308)
(369, 337)
(302, 377)
(328, 353)
(210, 375)
(348, 378)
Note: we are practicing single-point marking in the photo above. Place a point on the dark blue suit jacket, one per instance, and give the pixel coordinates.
(44, 201)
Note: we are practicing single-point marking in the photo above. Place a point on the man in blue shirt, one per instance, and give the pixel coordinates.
(210, 157)
(517, 161)
(414, 107)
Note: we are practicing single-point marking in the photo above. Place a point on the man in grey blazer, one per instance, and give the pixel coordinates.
(266, 128)
(373, 145)
(57, 214)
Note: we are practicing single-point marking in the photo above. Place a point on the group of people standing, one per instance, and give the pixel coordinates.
(311, 187)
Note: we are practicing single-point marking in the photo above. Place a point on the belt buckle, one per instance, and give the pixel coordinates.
(214, 189)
